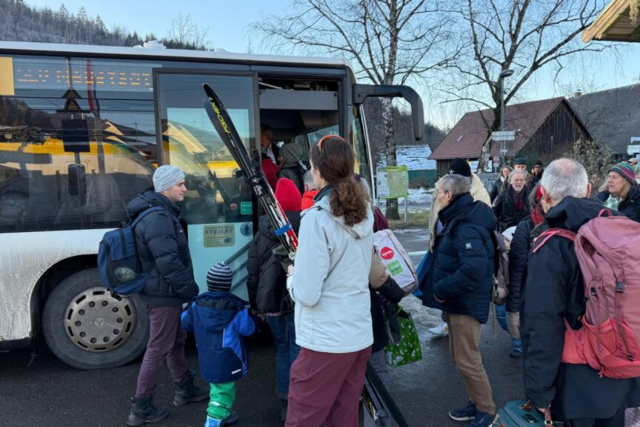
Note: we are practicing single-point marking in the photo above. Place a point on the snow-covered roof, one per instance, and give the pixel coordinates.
(170, 54)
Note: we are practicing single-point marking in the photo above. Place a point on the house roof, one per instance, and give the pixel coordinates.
(612, 116)
(468, 136)
(620, 21)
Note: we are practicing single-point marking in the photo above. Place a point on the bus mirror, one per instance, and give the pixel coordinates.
(77, 179)
(360, 92)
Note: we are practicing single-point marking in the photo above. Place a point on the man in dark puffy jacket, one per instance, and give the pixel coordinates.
(267, 286)
(554, 296)
(460, 284)
(164, 254)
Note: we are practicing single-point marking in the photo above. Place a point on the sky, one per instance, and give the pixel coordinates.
(228, 24)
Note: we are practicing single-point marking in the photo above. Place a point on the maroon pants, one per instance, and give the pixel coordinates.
(325, 388)
(166, 342)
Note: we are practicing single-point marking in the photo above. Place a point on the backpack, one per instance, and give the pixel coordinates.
(395, 258)
(607, 252)
(118, 262)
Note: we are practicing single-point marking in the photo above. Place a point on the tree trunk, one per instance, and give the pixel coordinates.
(485, 153)
(390, 152)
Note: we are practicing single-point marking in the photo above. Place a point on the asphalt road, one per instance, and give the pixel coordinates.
(48, 393)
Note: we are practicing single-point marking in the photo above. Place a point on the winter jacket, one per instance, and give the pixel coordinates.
(478, 192)
(554, 293)
(498, 186)
(219, 320)
(162, 246)
(630, 206)
(270, 170)
(266, 282)
(505, 209)
(518, 259)
(307, 199)
(330, 285)
(462, 272)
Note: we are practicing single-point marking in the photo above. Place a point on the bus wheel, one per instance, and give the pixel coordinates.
(87, 327)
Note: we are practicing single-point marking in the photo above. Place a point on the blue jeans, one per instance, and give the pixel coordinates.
(284, 334)
(503, 319)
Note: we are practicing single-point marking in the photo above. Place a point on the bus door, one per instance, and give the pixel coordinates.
(218, 207)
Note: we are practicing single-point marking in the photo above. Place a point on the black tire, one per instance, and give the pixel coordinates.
(56, 311)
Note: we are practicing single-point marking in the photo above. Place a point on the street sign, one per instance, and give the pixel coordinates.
(507, 135)
(496, 159)
(503, 152)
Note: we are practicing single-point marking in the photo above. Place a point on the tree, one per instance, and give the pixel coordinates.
(596, 159)
(389, 41)
(100, 26)
(83, 18)
(521, 35)
(185, 34)
(63, 13)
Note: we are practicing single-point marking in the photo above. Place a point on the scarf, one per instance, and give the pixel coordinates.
(518, 200)
(613, 202)
(537, 215)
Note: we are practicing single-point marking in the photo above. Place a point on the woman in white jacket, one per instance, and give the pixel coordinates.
(330, 289)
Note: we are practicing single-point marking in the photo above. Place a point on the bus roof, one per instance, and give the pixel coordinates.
(170, 54)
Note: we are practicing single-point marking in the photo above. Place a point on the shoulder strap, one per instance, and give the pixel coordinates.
(145, 213)
(546, 235)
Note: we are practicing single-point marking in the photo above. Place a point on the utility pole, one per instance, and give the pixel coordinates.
(503, 149)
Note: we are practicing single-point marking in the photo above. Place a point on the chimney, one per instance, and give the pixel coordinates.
(578, 94)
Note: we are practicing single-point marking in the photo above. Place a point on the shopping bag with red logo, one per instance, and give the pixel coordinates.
(395, 258)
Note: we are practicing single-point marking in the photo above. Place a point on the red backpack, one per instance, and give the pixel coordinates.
(608, 251)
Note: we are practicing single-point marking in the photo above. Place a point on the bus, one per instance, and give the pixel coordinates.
(82, 129)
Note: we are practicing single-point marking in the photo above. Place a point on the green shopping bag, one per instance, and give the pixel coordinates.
(408, 349)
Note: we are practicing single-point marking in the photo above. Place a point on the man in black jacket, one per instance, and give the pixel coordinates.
(164, 254)
(554, 293)
(460, 284)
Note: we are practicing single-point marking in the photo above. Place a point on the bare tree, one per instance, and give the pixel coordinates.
(596, 158)
(389, 41)
(520, 35)
(185, 33)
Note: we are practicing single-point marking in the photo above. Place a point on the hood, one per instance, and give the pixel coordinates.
(465, 209)
(360, 230)
(572, 213)
(149, 199)
(476, 185)
(265, 227)
(218, 309)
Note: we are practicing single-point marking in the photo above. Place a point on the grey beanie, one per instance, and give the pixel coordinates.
(166, 177)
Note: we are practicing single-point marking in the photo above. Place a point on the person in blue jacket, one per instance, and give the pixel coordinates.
(219, 321)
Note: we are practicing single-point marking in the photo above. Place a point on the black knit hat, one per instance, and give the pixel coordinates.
(521, 161)
(219, 278)
(460, 167)
(538, 163)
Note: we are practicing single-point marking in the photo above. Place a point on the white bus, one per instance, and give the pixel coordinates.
(82, 129)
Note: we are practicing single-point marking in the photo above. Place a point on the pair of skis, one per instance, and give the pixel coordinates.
(379, 407)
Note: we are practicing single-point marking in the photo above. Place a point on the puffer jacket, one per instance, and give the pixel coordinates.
(518, 259)
(162, 246)
(267, 279)
(630, 207)
(554, 293)
(478, 192)
(505, 209)
(330, 285)
(462, 272)
(219, 321)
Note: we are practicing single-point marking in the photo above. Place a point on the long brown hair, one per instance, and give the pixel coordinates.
(335, 160)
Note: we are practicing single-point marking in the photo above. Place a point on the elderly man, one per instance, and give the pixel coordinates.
(554, 294)
(460, 284)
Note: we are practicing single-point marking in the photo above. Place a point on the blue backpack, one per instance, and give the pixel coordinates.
(118, 263)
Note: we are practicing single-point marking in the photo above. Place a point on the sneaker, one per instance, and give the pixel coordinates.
(442, 330)
(482, 419)
(467, 413)
(214, 422)
(144, 411)
(187, 392)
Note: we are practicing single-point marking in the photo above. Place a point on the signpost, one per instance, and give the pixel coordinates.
(392, 182)
(503, 137)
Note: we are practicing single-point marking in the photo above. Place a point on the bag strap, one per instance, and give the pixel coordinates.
(145, 213)
(547, 234)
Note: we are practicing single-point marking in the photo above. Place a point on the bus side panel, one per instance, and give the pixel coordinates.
(24, 258)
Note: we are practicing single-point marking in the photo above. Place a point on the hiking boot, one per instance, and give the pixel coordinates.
(467, 413)
(187, 392)
(214, 422)
(144, 411)
(442, 330)
(482, 419)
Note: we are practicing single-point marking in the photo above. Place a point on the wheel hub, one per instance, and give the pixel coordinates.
(98, 321)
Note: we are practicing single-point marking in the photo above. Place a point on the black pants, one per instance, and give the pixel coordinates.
(615, 421)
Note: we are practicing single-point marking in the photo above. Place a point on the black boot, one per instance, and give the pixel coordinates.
(144, 411)
(187, 392)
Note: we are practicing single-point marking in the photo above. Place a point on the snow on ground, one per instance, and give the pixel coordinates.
(414, 157)
(420, 196)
